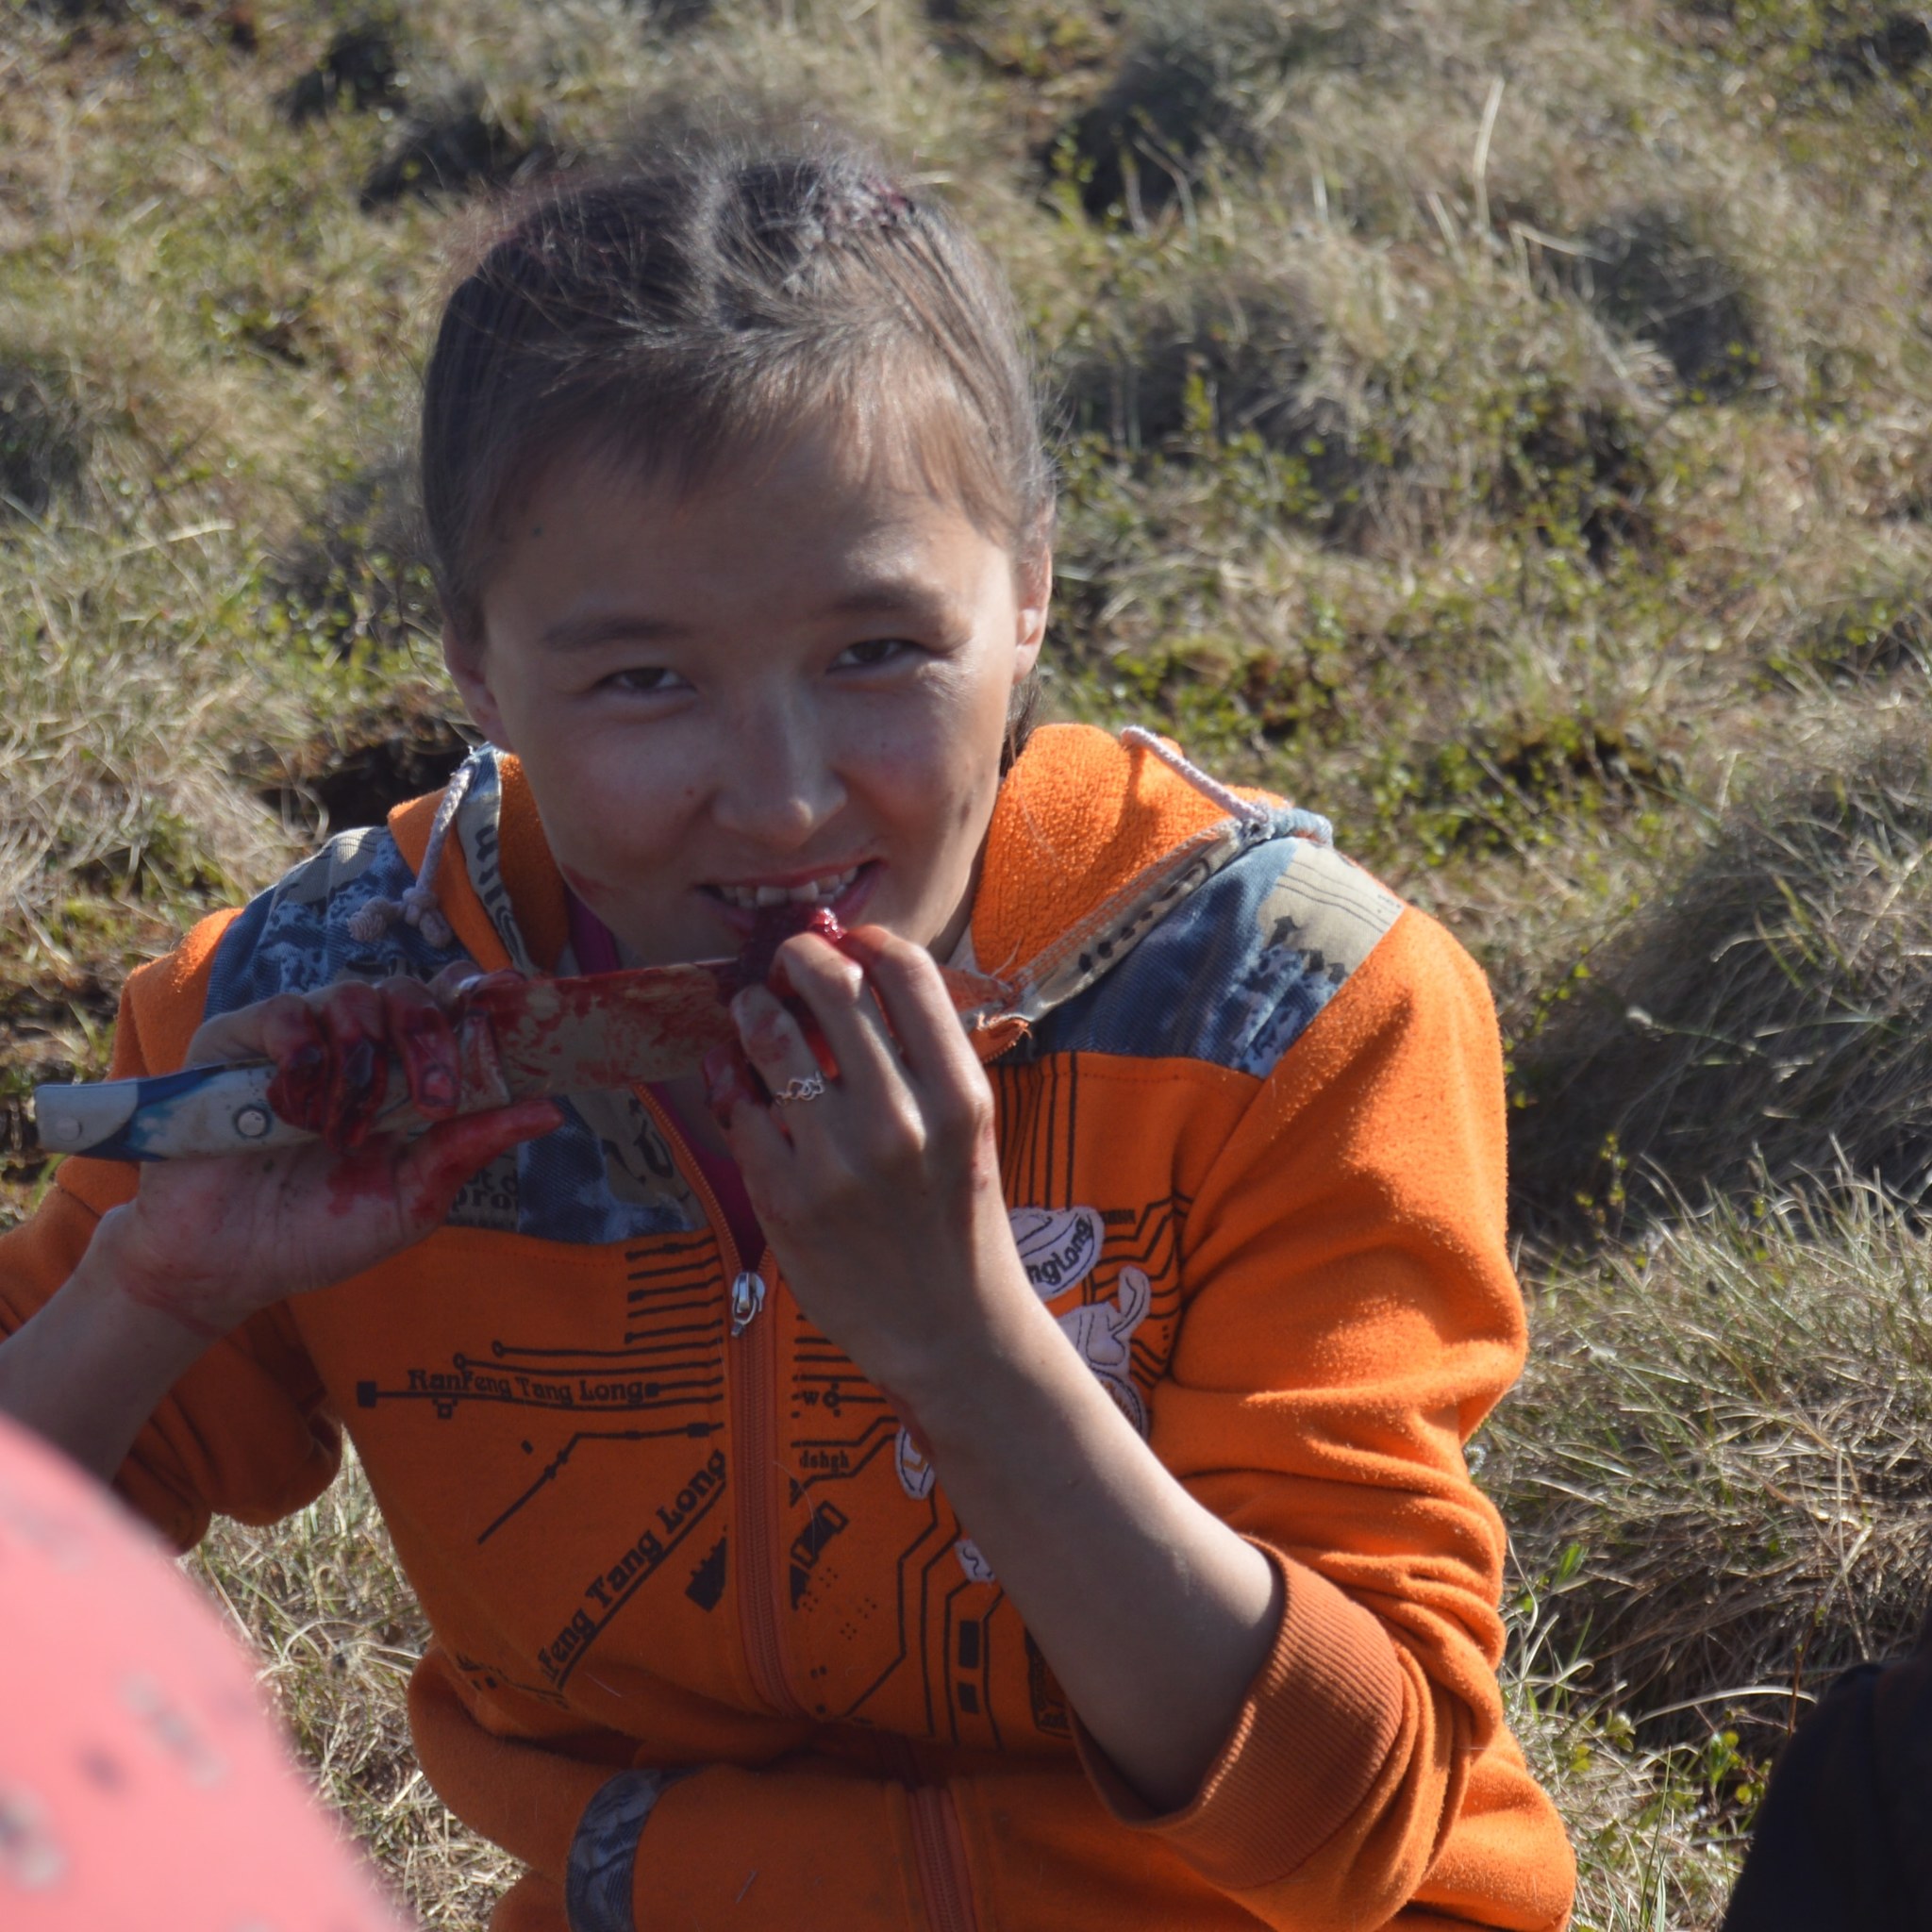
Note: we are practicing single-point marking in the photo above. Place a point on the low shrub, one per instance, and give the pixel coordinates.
(1769, 1011)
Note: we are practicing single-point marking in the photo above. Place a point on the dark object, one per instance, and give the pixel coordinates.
(359, 70)
(776, 925)
(1148, 128)
(680, 16)
(1843, 1840)
(42, 440)
(243, 32)
(448, 151)
(370, 765)
(1651, 272)
(1893, 49)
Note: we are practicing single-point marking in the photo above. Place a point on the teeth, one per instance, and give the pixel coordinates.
(813, 893)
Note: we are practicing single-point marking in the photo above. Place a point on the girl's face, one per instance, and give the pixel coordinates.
(792, 681)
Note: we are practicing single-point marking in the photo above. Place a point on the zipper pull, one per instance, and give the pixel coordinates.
(747, 1298)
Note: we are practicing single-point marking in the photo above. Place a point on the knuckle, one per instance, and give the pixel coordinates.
(845, 983)
(351, 1002)
(962, 1118)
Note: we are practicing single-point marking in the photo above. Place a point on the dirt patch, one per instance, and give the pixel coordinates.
(1505, 789)
(359, 772)
(1578, 468)
(1250, 345)
(1652, 272)
(460, 145)
(1192, 80)
(55, 1025)
(357, 572)
(1229, 361)
(361, 68)
(1894, 49)
(43, 438)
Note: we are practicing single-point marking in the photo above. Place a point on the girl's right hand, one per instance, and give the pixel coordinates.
(210, 1242)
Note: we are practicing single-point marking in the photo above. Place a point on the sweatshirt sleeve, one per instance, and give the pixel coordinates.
(1352, 1318)
(246, 1432)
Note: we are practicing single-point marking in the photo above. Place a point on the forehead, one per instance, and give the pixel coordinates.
(817, 520)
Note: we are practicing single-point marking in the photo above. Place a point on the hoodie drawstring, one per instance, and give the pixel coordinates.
(1244, 809)
(418, 907)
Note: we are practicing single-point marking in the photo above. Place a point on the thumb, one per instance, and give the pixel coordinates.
(439, 1163)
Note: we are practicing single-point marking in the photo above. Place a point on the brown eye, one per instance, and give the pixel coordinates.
(645, 678)
(872, 653)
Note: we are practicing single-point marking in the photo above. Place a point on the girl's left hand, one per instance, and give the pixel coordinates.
(881, 1195)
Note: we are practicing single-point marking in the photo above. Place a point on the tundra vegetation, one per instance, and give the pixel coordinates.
(1505, 425)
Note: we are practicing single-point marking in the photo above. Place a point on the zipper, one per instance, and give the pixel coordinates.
(747, 1299)
(751, 1355)
(939, 1847)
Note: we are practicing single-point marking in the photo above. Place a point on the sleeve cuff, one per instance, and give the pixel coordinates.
(604, 1852)
(1313, 1732)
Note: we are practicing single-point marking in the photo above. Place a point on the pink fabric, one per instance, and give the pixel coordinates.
(595, 946)
(141, 1782)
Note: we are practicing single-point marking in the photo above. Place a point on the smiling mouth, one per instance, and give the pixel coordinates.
(822, 891)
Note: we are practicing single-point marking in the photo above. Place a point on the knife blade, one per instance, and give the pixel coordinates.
(517, 1039)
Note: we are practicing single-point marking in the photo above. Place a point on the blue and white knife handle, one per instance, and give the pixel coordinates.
(217, 1110)
(200, 1110)
(223, 1108)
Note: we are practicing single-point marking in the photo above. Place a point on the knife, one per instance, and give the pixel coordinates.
(517, 1039)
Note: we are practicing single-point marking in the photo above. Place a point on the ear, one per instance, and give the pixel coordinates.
(467, 667)
(1034, 592)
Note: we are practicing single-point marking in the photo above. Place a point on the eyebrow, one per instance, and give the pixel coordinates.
(886, 597)
(605, 627)
(891, 597)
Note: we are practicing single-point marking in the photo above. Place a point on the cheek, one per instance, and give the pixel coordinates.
(609, 811)
(935, 778)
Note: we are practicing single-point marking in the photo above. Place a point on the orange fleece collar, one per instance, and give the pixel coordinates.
(1078, 819)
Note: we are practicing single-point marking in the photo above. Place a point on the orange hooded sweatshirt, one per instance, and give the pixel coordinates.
(1250, 1116)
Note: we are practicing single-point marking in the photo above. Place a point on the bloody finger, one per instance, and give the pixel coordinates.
(357, 1069)
(907, 984)
(728, 1080)
(299, 1091)
(425, 1043)
(773, 1043)
(450, 1152)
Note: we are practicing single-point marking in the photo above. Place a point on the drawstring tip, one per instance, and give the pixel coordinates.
(418, 907)
(436, 930)
(369, 923)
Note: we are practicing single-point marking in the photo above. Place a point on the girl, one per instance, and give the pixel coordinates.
(913, 1479)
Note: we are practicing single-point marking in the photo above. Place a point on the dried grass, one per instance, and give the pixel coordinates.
(337, 1632)
(1716, 1462)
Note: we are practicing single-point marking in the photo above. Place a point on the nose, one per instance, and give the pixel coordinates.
(779, 784)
